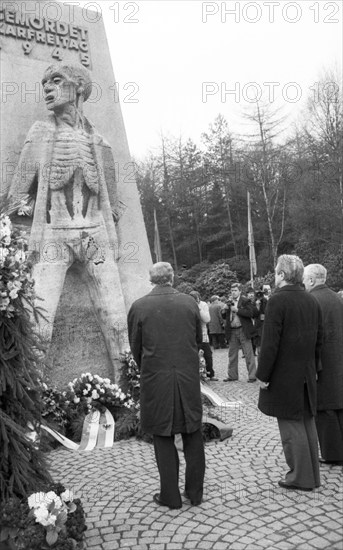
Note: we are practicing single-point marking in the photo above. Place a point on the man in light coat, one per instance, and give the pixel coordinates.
(164, 332)
(329, 419)
(205, 344)
(288, 364)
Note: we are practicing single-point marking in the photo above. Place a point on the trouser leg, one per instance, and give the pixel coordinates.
(205, 346)
(233, 355)
(249, 355)
(215, 342)
(330, 434)
(300, 446)
(193, 446)
(221, 338)
(167, 459)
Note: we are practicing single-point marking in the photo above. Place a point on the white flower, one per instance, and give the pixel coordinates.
(95, 394)
(76, 399)
(41, 515)
(20, 256)
(67, 496)
(88, 386)
(52, 497)
(13, 294)
(85, 392)
(36, 499)
(3, 253)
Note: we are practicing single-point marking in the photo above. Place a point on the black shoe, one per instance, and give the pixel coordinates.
(213, 379)
(293, 487)
(332, 462)
(230, 380)
(252, 380)
(193, 502)
(158, 501)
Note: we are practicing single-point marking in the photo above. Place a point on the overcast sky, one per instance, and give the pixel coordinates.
(180, 63)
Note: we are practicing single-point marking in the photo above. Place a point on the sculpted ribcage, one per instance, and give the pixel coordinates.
(72, 151)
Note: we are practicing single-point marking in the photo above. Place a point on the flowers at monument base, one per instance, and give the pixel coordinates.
(51, 519)
(51, 511)
(16, 282)
(94, 392)
(131, 377)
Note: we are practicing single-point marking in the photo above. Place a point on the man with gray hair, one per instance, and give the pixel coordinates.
(164, 333)
(329, 419)
(288, 363)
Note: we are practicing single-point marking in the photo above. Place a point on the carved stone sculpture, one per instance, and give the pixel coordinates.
(66, 169)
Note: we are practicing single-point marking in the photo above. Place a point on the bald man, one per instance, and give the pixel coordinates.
(329, 418)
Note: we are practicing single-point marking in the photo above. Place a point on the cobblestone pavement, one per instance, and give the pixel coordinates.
(243, 507)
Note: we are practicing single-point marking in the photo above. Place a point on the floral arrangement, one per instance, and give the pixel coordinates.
(92, 391)
(202, 365)
(43, 520)
(16, 282)
(131, 378)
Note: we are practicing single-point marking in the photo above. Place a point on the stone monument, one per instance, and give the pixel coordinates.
(73, 169)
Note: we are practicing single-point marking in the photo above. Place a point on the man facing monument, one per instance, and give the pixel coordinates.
(329, 419)
(288, 364)
(67, 170)
(164, 332)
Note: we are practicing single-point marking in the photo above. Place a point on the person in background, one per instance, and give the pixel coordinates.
(164, 332)
(287, 370)
(205, 345)
(239, 331)
(252, 297)
(216, 324)
(260, 304)
(267, 291)
(329, 419)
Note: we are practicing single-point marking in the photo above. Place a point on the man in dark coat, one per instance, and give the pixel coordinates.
(288, 363)
(239, 330)
(329, 418)
(164, 332)
(216, 323)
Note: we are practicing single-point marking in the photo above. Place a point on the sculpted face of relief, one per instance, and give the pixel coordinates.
(72, 197)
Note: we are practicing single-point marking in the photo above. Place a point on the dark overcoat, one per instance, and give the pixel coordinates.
(290, 350)
(330, 378)
(164, 332)
(216, 323)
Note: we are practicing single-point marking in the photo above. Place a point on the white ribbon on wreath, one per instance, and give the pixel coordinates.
(97, 432)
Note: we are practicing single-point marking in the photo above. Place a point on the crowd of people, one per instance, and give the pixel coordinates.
(292, 343)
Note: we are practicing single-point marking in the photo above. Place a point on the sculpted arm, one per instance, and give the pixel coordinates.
(24, 183)
(111, 179)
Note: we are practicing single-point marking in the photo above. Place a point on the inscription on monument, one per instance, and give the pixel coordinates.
(35, 31)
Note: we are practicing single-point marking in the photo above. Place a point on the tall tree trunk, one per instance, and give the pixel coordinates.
(171, 236)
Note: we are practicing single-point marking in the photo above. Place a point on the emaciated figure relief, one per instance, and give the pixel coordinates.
(67, 169)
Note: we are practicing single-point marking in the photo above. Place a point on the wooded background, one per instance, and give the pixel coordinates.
(295, 183)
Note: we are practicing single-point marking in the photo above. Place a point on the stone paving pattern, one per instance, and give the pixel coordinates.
(243, 507)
